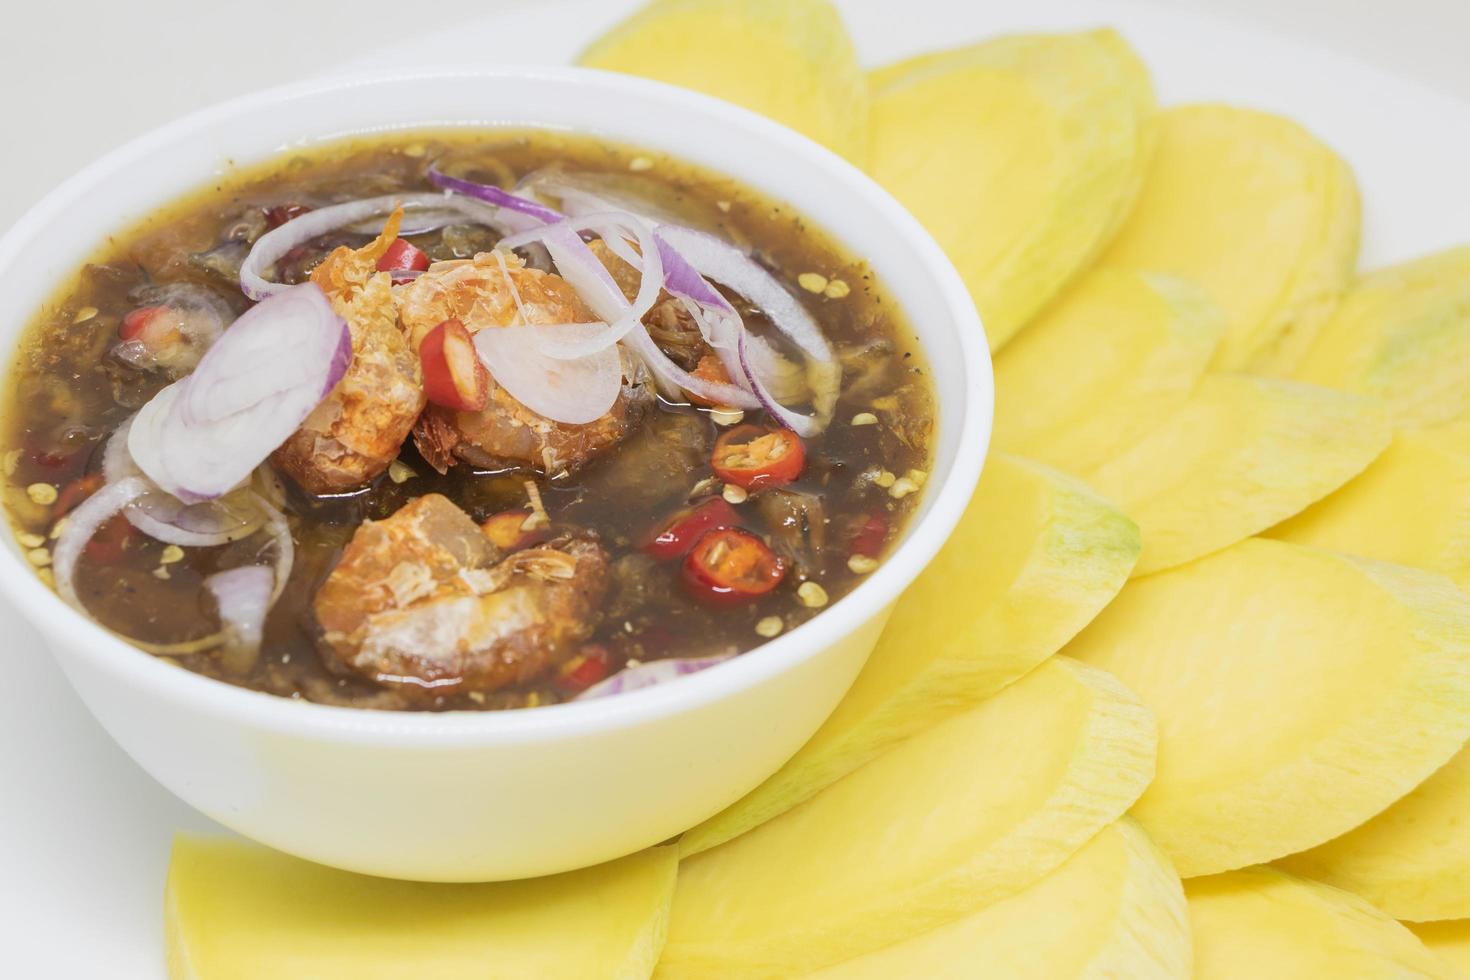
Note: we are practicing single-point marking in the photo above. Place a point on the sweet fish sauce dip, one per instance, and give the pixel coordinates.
(673, 529)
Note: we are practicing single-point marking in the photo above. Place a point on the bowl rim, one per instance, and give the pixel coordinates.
(59, 623)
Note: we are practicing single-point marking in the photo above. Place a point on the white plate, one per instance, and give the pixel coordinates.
(84, 834)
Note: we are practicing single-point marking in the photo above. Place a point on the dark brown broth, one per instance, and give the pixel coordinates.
(66, 395)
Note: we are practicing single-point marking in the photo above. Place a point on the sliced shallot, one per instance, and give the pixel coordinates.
(82, 523)
(271, 247)
(648, 674)
(201, 437)
(243, 596)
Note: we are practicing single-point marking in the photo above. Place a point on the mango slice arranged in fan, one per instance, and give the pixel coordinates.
(1241, 455)
(1033, 560)
(1257, 211)
(791, 60)
(1402, 334)
(1130, 346)
(1450, 941)
(238, 911)
(1410, 506)
(1263, 924)
(1115, 909)
(1413, 859)
(1299, 692)
(1018, 154)
(955, 818)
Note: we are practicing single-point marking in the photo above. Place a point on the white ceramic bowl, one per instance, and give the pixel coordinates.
(480, 796)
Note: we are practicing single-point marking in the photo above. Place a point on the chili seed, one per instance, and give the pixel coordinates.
(41, 493)
(173, 553)
(812, 595)
(46, 576)
(84, 314)
(726, 416)
(28, 540)
(39, 557)
(770, 626)
(161, 572)
(918, 476)
(734, 494)
(812, 282)
(865, 418)
(414, 150)
(59, 528)
(400, 472)
(836, 289)
(723, 206)
(12, 460)
(861, 564)
(640, 163)
(885, 479)
(902, 487)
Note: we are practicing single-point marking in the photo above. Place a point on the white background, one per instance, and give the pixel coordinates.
(83, 833)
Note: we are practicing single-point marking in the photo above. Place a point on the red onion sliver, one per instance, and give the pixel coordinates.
(245, 403)
(271, 247)
(167, 519)
(491, 194)
(577, 264)
(648, 674)
(82, 523)
(243, 596)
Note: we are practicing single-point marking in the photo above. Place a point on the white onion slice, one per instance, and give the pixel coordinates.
(243, 596)
(81, 524)
(649, 674)
(672, 378)
(280, 531)
(244, 403)
(572, 391)
(271, 247)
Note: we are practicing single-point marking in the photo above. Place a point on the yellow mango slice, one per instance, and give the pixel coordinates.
(791, 60)
(1018, 155)
(1450, 941)
(1263, 924)
(1298, 693)
(238, 911)
(1402, 334)
(1413, 859)
(1115, 909)
(1038, 555)
(1116, 354)
(1410, 506)
(1243, 454)
(959, 816)
(1256, 210)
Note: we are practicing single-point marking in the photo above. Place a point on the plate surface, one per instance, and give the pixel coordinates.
(84, 834)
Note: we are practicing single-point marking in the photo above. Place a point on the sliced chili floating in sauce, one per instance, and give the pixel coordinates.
(753, 457)
(403, 255)
(74, 493)
(592, 664)
(282, 213)
(728, 566)
(135, 323)
(687, 526)
(110, 543)
(454, 376)
(709, 368)
(869, 537)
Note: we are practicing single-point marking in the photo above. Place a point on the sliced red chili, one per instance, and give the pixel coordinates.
(679, 532)
(110, 543)
(138, 320)
(506, 530)
(728, 566)
(74, 493)
(709, 368)
(754, 457)
(870, 536)
(403, 255)
(454, 375)
(592, 664)
(282, 213)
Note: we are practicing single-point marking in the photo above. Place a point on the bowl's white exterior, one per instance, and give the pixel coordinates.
(482, 796)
